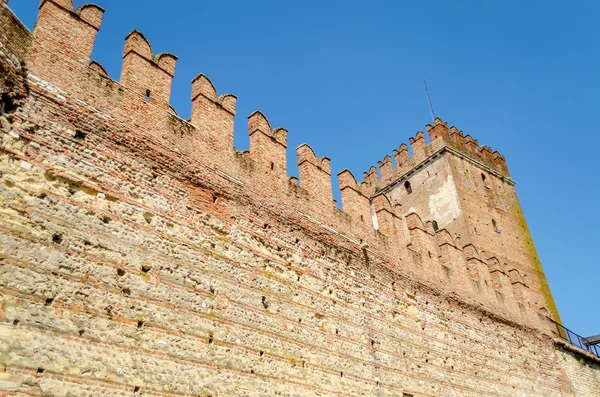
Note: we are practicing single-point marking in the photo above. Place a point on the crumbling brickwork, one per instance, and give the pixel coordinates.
(142, 255)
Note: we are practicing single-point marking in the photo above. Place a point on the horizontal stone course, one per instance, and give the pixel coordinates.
(140, 254)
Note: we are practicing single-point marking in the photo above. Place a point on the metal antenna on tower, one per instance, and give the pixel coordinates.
(429, 99)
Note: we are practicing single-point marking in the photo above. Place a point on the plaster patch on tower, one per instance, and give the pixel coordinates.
(444, 205)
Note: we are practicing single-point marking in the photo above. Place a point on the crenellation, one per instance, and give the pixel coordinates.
(471, 144)
(214, 117)
(423, 241)
(91, 13)
(401, 156)
(439, 130)
(354, 202)
(315, 174)
(418, 146)
(389, 221)
(371, 179)
(457, 136)
(485, 152)
(268, 149)
(386, 170)
(201, 85)
(147, 75)
(60, 30)
(99, 68)
(222, 266)
(136, 42)
(68, 5)
(444, 237)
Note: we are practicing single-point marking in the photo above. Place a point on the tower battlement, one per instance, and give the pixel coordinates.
(129, 229)
(440, 138)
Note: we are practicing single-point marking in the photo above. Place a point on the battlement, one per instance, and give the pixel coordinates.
(144, 255)
(441, 138)
(60, 67)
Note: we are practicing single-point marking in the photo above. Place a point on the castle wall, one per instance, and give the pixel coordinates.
(582, 371)
(136, 258)
(117, 275)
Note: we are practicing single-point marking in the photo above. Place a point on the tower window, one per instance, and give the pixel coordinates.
(407, 187)
(147, 95)
(435, 226)
(495, 226)
(483, 179)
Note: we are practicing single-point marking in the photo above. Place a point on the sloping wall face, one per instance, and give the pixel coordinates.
(495, 223)
(136, 260)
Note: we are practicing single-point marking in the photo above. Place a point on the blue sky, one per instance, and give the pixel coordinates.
(347, 78)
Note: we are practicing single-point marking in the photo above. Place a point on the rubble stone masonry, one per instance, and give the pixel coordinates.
(142, 255)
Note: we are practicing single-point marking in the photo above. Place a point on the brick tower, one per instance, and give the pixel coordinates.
(455, 184)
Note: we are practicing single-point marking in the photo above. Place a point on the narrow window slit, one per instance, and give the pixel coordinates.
(495, 226)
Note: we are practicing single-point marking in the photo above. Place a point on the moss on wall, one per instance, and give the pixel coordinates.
(534, 259)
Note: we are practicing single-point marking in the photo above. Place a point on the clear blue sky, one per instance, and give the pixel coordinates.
(347, 78)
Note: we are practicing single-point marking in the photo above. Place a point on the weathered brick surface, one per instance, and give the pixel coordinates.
(142, 255)
(582, 371)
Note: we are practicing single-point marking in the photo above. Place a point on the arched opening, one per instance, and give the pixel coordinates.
(435, 226)
(495, 226)
(407, 187)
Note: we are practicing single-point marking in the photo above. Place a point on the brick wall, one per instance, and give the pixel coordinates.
(582, 371)
(137, 259)
(14, 37)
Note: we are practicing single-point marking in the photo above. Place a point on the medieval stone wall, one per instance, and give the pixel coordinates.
(583, 371)
(116, 275)
(141, 255)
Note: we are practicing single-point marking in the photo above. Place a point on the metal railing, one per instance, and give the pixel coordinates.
(575, 339)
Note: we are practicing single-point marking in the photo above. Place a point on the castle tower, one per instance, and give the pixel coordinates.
(466, 189)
